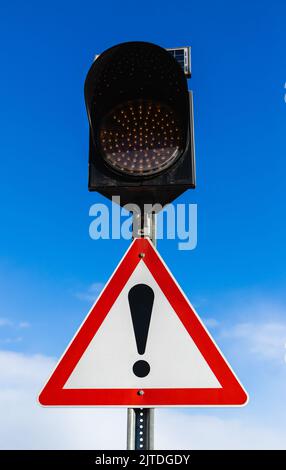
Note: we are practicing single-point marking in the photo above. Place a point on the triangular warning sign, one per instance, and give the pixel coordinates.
(142, 345)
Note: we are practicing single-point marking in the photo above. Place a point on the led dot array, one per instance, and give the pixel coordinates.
(140, 137)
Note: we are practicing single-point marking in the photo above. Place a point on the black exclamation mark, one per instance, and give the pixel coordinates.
(141, 298)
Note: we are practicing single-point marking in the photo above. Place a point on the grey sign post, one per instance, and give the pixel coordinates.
(140, 421)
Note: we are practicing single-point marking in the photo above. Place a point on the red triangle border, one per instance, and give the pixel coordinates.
(231, 392)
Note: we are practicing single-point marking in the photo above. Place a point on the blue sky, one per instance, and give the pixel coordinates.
(48, 263)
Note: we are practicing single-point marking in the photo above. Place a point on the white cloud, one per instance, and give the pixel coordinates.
(211, 432)
(258, 326)
(13, 327)
(91, 293)
(26, 425)
(266, 340)
(210, 323)
(24, 324)
(12, 324)
(5, 322)
(10, 340)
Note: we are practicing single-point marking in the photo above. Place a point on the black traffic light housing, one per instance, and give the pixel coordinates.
(139, 72)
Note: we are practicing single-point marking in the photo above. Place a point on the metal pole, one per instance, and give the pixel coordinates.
(140, 421)
(140, 428)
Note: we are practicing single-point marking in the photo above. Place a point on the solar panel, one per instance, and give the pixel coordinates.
(183, 56)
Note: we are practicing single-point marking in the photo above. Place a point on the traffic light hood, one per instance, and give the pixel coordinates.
(131, 71)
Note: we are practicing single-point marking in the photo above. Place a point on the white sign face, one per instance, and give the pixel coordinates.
(142, 344)
(174, 359)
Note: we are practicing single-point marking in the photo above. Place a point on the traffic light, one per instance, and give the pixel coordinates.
(140, 113)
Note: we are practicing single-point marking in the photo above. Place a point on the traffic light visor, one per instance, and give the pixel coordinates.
(138, 107)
